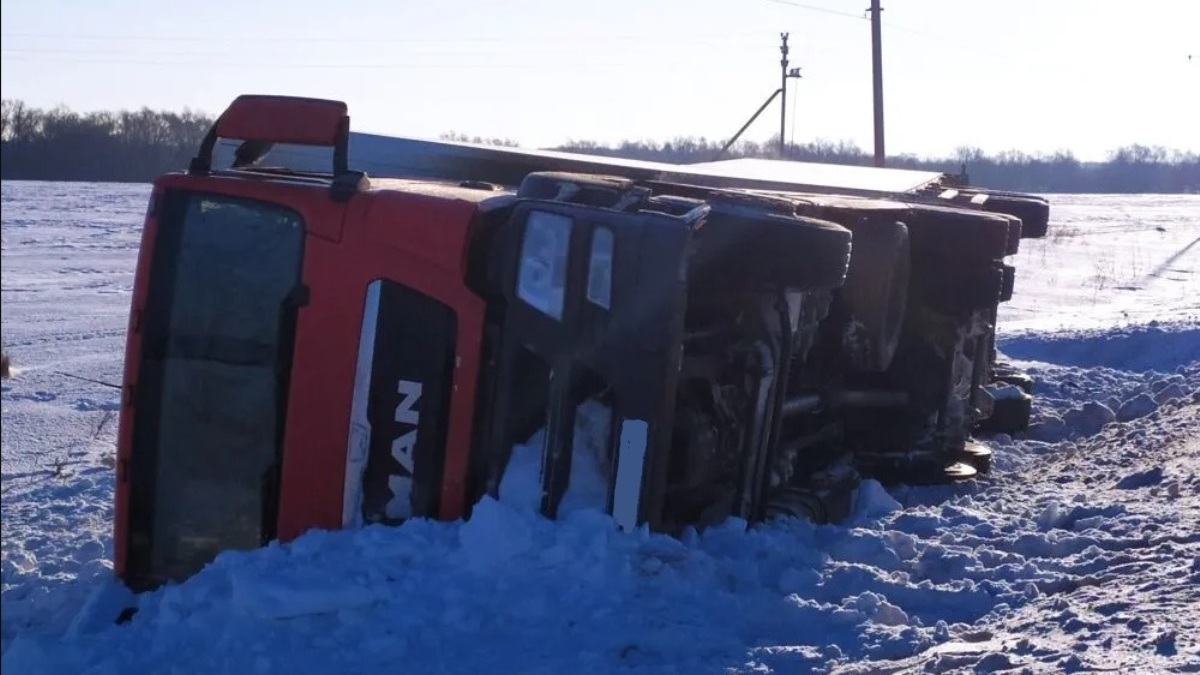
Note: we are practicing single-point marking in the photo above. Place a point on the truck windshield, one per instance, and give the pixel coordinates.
(217, 341)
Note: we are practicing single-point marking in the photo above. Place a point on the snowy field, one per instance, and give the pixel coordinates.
(1080, 552)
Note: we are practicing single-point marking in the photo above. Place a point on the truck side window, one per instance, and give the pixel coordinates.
(600, 267)
(542, 277)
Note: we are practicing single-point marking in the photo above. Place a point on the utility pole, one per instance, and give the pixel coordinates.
(877, 77)
(784, 74)
(794, 73)
(783, 64)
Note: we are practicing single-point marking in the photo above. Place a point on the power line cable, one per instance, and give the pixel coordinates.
(816, 8)
(545, 50)
(319, 66)
(947, 41)
(520, 39)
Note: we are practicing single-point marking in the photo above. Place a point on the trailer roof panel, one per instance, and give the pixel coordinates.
(800, 175)
(399, 157)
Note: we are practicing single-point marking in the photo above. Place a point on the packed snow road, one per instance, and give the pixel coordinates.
(1079, 552)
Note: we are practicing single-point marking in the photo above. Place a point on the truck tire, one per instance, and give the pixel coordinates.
(940, 233)
(958, 287)
(1009, 284)
(742, 244)
(591, 190)
(1014, 235)
(1019, 380)
(1009, 415)
(976, 455)
(876, 294)
(1033, 212)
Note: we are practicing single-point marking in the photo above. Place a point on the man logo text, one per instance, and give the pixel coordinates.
(407, 414)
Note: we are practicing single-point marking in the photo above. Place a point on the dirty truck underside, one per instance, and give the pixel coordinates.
(839, 321)
(823, 338)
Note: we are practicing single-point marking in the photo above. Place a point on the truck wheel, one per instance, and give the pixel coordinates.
(876, 294)
(1014, 235)
(1033, 212)
(1009, 283)
(959, 288)
(588, 189)
(976, 455)
(1021, 380)
(1010, 415)
(743, 244)
(942, 232)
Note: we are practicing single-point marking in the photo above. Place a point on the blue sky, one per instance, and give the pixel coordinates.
(1034, 75)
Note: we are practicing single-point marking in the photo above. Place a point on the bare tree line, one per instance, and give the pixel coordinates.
(125, 146)
(1130, 169)
(136, 146)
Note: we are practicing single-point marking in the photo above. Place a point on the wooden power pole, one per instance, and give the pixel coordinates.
(877, 78)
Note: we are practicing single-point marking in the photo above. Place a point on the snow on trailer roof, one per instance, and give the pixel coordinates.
(401, 157)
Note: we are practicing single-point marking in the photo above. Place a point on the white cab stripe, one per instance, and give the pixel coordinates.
(359, 443)
(631, 458)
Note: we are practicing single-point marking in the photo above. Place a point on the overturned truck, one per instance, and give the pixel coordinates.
(323, 347)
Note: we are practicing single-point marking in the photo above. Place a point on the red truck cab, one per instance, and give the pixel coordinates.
(265, 310)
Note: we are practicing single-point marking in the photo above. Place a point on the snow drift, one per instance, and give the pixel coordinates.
(1078, 552)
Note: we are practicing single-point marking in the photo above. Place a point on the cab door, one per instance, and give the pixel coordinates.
(591, 322)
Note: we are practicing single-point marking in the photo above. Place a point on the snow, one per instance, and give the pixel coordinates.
(1111, 260)
(1078, 552)
(587, 488)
